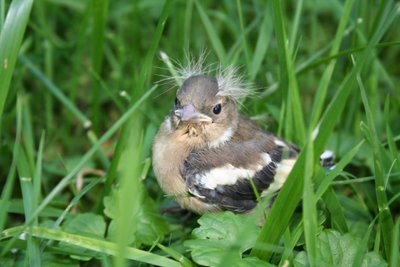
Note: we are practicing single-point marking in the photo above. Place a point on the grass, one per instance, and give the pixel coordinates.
(81, 98)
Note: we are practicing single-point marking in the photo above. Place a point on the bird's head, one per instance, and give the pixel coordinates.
(203, 112)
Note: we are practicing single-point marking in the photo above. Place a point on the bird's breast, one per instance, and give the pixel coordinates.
(168, 155)
(170, 149)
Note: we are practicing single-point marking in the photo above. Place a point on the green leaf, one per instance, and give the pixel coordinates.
(87, 224)
(151, 226)
(335, 249)
(223, 237)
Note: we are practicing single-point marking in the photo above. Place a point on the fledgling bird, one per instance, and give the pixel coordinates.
(209, 157)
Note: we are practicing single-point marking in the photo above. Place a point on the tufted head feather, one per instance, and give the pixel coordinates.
(230, 83)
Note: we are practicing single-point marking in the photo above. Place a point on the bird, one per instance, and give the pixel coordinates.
(208, 156)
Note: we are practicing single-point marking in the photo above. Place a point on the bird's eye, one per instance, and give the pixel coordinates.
(217, 109)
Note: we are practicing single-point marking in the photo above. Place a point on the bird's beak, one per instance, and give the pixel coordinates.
(189, 113)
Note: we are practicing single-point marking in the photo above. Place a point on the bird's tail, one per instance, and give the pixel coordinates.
(327, 159)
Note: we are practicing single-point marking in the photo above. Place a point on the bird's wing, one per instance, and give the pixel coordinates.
(233, 175)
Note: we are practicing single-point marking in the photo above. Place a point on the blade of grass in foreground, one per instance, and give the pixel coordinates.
(385, 217)
(143, 80)
(25, 172)
(294, 118)
(129, 195)
(93, 244)
(394, 254)
(11, 36)
(309, 206)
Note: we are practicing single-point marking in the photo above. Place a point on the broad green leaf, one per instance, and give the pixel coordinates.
(151, 226)
(222, 238)
(87, 224)
(335, 249)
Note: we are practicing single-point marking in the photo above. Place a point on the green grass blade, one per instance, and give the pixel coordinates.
(327, 75)
(6, 194)
(390, 137)
(296, 23)
(144, 79)
(241, 22)
(336, 210)
(176, 255)
(37, 178)
(385, 216)
(212, 34)
(394, 253)
(363, 248)
(93, 244)
(112, 170)
(187, 24)
(99, 12)
(130, 192)
(263, 41)
(309, 207)
(2, 12)
(282, 210)
(53, 89)
(11, 36)
(326, 192)
(294, 121)
(75, 200)
(25, 173)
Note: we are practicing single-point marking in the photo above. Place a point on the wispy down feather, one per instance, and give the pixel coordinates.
(230, 83)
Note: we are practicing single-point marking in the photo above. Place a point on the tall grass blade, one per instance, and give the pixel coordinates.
(130, 190)
(385, 216)
(309, 207)
(11, 36)
(327, 75)
(54, 90)
(99, 12)
(37, 178)
(296, 23)
(144, 78)
(263, 41)
(241, 22)
(395, 253)
(25, 173)
(294, 119)
(212, 34)
(93, 244)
